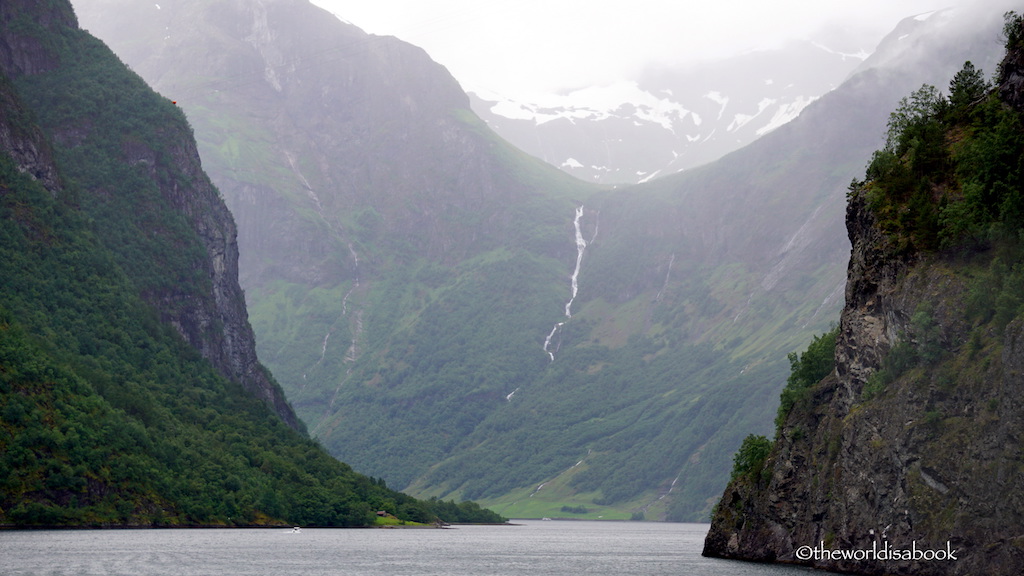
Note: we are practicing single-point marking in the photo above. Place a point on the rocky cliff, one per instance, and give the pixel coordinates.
(21, 55)
(207, 309)
(907, 458)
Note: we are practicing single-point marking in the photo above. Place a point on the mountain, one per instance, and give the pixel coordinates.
(130, 391)
(375, 212)
(751, 239)
(907, 448)
(670, 119)
(461, 319)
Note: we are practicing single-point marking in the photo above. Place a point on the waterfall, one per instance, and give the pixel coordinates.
(547, 341)
(668, 275)
(581, 246)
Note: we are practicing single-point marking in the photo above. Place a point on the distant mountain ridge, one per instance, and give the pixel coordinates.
(669, 120)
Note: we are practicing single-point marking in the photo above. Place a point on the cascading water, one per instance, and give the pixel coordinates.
(581, 246)
(355, 284)
(547, 341)
(668, 275)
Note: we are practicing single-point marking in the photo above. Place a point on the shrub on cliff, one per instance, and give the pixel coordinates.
(806, 370)
(750, 458)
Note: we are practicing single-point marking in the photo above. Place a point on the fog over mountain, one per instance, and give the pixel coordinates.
(671, 119)
(535, 47)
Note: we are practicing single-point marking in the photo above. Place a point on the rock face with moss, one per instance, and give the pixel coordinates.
(206, 306)
(914, 441)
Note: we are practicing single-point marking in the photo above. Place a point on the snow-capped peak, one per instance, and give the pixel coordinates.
(624, 98)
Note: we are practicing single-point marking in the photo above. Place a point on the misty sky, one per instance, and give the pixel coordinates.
(535, 46)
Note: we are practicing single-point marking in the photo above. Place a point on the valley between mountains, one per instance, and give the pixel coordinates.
(461, 319)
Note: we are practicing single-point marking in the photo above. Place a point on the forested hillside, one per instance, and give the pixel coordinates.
(129, 389)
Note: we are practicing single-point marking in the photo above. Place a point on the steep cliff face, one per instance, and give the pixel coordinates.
(41, 48)
(28, 148)
(219, 326)
(24, 55)
(934, 460)
(913, 443)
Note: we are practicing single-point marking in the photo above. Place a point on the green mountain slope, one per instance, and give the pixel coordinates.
(129, 389)
(408, 273)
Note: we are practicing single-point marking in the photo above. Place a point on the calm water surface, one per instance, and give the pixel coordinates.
(532, 547)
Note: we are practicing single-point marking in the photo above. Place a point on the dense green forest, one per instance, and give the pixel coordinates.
(949, 182)
(950, 173)
(107, 417)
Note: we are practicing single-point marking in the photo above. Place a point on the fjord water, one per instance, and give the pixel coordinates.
(530, 547)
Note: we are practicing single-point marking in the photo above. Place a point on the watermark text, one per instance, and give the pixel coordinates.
(878, 552)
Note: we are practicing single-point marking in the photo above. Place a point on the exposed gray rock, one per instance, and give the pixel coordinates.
(932, 462)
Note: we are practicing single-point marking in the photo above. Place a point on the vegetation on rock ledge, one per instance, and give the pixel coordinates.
(951, 171)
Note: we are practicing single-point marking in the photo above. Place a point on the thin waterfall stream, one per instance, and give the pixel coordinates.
(581, 246)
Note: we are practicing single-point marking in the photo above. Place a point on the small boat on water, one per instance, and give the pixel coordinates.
(295, 530)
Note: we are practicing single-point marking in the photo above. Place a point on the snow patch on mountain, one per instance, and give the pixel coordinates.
(622, 99)
(717, 97)
(740, 120)
(860, 55)
(785, 113)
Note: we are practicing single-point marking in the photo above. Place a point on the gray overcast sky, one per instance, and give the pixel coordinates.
(535, 46)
